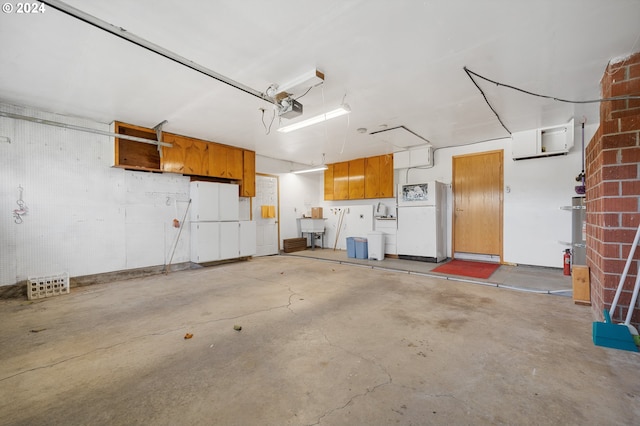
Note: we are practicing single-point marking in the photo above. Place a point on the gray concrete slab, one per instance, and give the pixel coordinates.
(321, 344)
(520, 277)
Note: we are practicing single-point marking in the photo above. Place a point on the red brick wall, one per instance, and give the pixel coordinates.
(613, 189)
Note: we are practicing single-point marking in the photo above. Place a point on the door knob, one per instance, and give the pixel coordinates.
(459, 210)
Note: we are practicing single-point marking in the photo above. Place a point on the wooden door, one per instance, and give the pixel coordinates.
(477, 203)
(372, 177)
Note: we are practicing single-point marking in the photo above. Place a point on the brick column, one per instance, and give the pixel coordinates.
(613, 189)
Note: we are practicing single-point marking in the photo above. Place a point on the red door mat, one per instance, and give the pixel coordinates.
(468, 268)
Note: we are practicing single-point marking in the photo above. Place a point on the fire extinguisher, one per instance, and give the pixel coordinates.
(567, 261)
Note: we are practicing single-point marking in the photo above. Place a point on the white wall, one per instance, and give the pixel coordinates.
(85, 217)
(535, 189)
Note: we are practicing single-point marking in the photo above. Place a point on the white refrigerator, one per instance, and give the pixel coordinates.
(216, 231)
(422, 221)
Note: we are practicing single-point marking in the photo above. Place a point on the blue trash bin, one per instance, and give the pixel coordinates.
(362, 249)
(351, 247)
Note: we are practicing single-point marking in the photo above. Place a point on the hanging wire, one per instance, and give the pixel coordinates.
(589, 101)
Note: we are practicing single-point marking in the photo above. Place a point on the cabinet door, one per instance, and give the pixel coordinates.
(341, 181)
(196, 158)
(205, 241)
(386, 176)
(188, 156)
(172, 158)
(229, 240)
(217, 160)
(234, 163)
(248, 188)
(356, 179)
(247, 238)
(372, 177)
(328, 183)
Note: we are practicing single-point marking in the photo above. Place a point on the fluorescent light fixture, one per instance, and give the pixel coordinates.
(314, 169)
(342, 110)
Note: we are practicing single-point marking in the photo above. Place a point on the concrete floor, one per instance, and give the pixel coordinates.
(321, 343)
(520, 278)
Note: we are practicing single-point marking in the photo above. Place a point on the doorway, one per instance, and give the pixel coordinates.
(478, 205)
(266, 213)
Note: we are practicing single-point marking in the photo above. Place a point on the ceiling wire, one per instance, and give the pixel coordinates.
(469, 72)
(589, 101)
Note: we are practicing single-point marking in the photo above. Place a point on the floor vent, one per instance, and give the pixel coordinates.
(53, 285)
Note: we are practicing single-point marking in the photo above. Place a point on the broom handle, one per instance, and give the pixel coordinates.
(632, 305)
(626, 270)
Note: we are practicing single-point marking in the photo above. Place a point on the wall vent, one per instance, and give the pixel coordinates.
(49, 286)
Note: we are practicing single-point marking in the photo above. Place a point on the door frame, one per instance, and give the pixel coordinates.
(501, 202)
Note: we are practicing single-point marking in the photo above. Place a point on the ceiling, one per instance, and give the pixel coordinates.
(397, 63)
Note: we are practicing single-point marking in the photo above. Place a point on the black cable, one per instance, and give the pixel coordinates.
(309, 89)
(590, 101)
(485, 98)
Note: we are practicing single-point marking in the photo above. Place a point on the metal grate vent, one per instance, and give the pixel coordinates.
(49, 286)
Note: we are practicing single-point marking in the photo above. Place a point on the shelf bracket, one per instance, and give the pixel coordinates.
(158, 129)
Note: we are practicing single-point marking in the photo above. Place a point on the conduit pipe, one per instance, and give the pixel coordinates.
(82, 129)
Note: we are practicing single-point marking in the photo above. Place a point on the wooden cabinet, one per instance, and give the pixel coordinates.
(225, 161)
(248, 186)
(356, 179)
(386, 176)
(135, 155)
(187, 155)
(370, 177)
(341, 181)
(328, 183)
(234, 163)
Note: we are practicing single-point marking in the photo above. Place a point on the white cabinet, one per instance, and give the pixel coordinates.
(247, 238)
(229, 201)
(229, 240)
(204, 201)
(215, 226)
(543, 142)
(205, 237)
(413, 157)
(389, 228)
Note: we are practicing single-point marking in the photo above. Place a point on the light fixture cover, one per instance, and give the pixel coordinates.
(342, 110)
(313, 169)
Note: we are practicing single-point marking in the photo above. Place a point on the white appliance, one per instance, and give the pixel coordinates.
(216, 231)
(422, 221)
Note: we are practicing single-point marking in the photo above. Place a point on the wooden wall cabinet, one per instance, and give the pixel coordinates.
(248, 185)
(328, 183)
(386, 176)
(225, 161)
(135, 155)
(362, 178)
(372, 177)
(356, 179)
(188, 156)
(341, 181)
